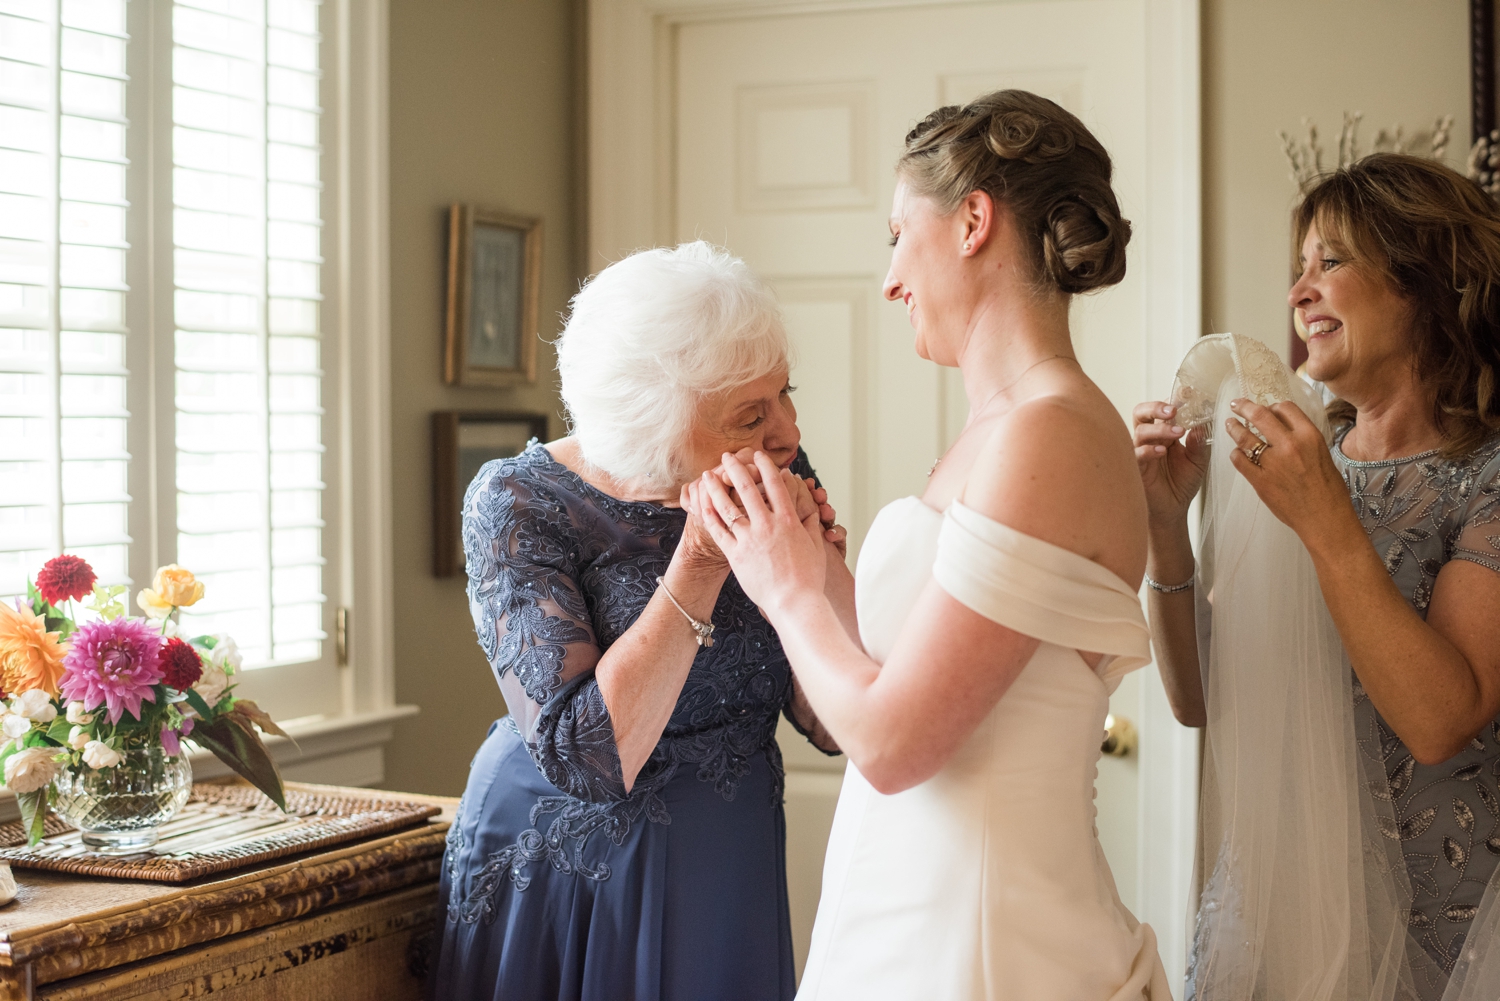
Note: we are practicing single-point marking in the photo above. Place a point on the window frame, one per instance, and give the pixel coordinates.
(353, 676)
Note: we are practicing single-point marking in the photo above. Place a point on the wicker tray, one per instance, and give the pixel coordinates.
(222, 827)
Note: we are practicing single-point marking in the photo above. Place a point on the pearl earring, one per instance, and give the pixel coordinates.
(966, 245)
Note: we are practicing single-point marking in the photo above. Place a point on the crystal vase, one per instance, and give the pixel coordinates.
(117, 810)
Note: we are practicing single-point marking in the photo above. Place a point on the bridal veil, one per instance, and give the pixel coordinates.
(1304, 892)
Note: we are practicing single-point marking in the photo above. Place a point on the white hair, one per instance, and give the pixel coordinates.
(647, 339)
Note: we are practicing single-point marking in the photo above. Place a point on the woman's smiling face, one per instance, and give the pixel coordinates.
(1358, 325)
(924, 268)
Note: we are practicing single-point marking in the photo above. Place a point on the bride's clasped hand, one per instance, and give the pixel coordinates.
(776, 555)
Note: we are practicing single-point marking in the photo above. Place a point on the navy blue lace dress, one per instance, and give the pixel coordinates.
(557, 884)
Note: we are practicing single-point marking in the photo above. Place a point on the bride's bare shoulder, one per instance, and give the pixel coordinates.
(1060, 468)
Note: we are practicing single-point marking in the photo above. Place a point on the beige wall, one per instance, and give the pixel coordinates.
(481, 110)
(1266, 65)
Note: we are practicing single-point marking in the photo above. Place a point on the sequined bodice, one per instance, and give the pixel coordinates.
(558, 571)
(1421, 513)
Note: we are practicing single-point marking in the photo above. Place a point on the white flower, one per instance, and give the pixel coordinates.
(35, 705)
(78, 738)
(15, 727)
(212, 684)
(98, 754)
(31, 768)
(77, 716)
(225, 654)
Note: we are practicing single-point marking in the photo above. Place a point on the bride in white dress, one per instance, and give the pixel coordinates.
(996, 612)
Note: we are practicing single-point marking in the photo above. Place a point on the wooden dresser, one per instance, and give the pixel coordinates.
(351, 923)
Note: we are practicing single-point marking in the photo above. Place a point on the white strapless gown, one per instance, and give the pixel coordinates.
(987, 881)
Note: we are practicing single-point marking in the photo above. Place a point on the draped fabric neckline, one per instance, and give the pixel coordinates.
(1083, 602)
(972, 519)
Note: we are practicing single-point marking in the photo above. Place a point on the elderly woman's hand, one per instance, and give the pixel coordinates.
(1294, 475)
(775, 551)
(814, 497)
(698, 551)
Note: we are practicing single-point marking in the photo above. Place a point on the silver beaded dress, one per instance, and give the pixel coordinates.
(1421, 512)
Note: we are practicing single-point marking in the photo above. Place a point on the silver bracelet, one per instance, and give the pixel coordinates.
(703, 631)
(1172, 588)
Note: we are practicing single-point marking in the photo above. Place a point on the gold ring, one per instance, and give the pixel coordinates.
(1254, 454)
(742, 516)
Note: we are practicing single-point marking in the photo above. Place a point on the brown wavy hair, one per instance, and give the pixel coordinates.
(1435, 236)
(1044, 165)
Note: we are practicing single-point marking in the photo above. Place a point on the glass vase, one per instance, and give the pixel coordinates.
(117, 810)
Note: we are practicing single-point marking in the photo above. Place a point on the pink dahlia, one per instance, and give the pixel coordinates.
(113, 663)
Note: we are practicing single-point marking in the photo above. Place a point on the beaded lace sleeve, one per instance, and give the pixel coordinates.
(1478, 538)
(534, 626)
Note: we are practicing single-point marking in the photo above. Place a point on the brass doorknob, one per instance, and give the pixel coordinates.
(1119, 736)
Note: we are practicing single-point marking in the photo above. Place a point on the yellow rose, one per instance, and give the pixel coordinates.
(177, 586)
(152, 604)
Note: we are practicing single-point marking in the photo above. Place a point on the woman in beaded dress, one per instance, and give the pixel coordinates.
(1399, 289)
(622, 834)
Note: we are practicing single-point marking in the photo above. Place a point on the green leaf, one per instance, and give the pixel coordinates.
(60, 729)
(33, 814)
(34, 598)
(199, 706)
(234, 742)
(128, 723)
(105, 601)
(56, 620)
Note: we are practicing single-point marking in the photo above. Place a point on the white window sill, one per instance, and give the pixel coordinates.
(334, 750)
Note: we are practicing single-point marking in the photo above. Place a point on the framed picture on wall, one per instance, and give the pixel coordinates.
(462, 442)
(494, 279)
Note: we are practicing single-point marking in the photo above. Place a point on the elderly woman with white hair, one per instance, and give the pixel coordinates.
(622, 833)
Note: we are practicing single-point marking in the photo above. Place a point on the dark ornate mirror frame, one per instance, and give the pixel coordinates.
(1481, 68)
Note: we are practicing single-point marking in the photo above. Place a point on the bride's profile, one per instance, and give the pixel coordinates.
(996, 612)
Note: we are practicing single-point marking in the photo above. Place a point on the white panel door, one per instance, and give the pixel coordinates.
(771, 126)
(787, 128)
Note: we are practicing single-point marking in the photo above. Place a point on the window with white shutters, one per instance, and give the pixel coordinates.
(62, 287)
(225, 397)
(246, 271)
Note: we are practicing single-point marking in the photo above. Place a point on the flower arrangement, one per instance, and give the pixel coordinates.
(81, 691)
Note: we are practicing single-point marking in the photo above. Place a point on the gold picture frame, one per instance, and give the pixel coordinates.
(494, 281)
(462, 442)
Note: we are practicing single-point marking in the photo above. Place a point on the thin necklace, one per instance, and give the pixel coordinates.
(993, 396)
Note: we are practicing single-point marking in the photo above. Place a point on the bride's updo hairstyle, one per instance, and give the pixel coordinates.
(1038, 160)
(1434, 236)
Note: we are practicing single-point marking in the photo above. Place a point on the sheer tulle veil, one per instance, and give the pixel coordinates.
(1304, 893)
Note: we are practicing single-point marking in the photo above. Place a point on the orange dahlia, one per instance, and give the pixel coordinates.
(30, 656)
